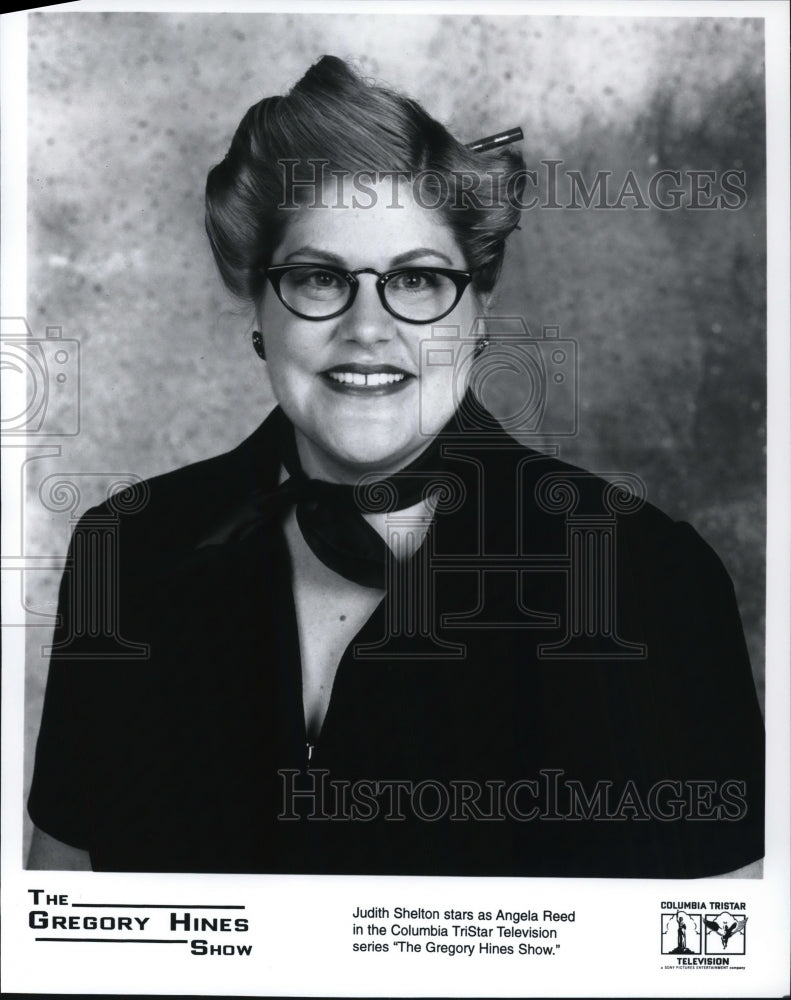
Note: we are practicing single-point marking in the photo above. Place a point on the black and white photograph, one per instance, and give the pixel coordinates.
(395, 546)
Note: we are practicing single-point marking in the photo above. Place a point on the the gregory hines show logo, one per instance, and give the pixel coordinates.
(704, 935)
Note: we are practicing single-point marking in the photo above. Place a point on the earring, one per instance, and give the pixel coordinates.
(258, 344)
(480, 346)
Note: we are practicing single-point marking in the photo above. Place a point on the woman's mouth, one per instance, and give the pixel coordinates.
(366, 380)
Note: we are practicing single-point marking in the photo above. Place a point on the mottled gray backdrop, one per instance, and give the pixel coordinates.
(128, 111)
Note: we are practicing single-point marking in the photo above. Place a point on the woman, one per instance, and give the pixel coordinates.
(380, 636)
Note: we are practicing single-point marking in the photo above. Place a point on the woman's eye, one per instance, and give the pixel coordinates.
(316, 282)
(414, 281)
(319, 279)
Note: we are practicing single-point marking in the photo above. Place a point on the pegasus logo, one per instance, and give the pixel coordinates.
(724, 926)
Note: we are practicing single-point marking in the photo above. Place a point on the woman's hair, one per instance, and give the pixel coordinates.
(336, 118)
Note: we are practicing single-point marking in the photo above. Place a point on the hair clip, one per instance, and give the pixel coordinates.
(499, 139)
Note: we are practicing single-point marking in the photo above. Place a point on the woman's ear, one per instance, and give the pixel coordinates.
(485, 302)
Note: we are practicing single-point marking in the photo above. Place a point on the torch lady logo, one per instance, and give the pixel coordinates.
(681, 933)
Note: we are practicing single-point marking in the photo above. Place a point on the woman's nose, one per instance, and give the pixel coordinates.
(367, 321)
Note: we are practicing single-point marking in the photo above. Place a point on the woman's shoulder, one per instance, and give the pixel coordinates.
(175, 507)
(560, 495)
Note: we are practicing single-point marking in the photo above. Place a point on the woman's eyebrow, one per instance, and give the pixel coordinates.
(310, 252)
(405, 258)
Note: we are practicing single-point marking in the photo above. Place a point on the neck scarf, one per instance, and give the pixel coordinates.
(330, 515)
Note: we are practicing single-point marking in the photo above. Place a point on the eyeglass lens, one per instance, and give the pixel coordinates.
(415, 293)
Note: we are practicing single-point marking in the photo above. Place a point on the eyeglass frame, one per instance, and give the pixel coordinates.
(461, 279)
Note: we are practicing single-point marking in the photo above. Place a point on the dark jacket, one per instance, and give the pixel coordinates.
(557, 684)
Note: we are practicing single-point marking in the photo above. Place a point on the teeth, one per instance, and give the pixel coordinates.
(356, 378)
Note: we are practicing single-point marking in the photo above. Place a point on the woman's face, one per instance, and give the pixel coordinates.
(344, 429)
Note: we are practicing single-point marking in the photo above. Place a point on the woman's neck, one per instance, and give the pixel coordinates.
(404, 530)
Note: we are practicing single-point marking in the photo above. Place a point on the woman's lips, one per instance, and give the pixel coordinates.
(375, 378)
(369, 380)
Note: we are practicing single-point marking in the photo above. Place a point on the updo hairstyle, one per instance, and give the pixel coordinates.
(333, 115)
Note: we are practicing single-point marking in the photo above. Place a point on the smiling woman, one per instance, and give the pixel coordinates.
(327, 368)
(383, 636)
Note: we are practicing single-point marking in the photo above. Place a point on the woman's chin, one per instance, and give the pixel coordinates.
(364, 451)
(372, 455)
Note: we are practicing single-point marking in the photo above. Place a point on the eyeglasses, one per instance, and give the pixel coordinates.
(411, 294)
